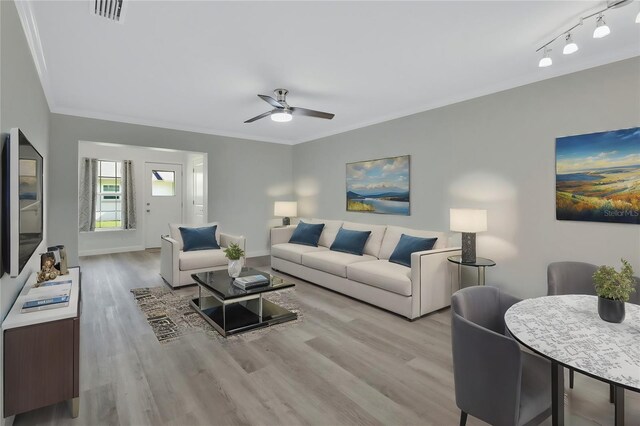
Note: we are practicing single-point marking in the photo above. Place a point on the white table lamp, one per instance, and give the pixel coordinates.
(468, 221)
(285, 210)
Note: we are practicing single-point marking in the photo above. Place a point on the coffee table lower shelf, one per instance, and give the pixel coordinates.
(234, 318)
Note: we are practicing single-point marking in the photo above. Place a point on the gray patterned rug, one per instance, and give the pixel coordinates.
(171, 316)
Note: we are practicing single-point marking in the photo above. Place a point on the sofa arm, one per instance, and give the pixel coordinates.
(170, 260)
(433, 280)
(282, 234)
(226, 240)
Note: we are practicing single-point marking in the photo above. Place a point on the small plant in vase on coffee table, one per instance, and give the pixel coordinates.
(235, 254)
(613, 289)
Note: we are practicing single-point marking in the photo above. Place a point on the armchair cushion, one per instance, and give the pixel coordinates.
(408, 245)
(307, 234)
(174, 232)
(200, 259)
(203, 238)
(382, 274)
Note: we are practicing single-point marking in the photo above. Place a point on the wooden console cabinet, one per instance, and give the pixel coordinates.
(42, 353)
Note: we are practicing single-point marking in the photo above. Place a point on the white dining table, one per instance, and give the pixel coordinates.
(569, 332)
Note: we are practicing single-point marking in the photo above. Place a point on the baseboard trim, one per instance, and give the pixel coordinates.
(110, 250)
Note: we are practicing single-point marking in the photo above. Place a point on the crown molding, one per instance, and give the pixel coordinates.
(30, 27)
(164, 125)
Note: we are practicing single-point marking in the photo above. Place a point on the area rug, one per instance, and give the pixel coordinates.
(171, 316)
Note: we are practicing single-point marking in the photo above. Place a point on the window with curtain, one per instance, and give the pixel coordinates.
(109, 195)
(106, 195)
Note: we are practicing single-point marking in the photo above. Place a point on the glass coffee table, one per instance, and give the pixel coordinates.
(232, 310)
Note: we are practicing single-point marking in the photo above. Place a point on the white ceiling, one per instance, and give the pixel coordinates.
(199, 65)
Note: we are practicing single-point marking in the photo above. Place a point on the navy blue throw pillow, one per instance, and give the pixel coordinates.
(199, 238)
(407, 245)
(307, 234)
(348, 241)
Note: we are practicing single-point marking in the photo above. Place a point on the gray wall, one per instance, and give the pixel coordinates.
(245, 177)
(23, 105)
(495, 152)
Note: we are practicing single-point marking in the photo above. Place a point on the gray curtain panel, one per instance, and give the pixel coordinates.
(87, 194)
(128, 196)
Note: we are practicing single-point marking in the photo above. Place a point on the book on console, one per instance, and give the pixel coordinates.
(47, 303)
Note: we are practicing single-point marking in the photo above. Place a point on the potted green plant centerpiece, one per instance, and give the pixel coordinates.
(613, 289)
(235, 254)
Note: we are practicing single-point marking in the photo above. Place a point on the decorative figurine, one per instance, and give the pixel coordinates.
(48, 271)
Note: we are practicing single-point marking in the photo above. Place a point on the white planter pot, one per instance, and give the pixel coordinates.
(234, 268)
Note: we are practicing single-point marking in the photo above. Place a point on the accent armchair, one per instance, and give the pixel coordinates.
(177, 266)
(494, 380)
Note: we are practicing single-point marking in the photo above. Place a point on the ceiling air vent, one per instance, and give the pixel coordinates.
(110, 9)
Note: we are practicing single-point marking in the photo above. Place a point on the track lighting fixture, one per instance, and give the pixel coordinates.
(546, 59)
(570, 46)
(602, 29)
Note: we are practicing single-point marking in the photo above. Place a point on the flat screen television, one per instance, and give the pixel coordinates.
(23, 201)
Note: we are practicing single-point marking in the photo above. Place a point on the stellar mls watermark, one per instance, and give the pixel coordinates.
(621, 213)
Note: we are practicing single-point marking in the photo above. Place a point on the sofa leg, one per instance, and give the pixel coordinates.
(463, 418)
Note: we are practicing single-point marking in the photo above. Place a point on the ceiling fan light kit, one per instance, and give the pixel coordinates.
(601, 30)
(282, 112)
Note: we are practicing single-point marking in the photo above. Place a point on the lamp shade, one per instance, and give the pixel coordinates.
(467, 220)
(285, 209)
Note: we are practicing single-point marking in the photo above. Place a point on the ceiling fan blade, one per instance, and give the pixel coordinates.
(312, 113)
(258, 117)
(271, 101)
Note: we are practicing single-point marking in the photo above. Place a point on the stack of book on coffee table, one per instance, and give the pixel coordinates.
(251, 281)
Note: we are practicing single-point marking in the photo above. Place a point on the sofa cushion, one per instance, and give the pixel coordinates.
(293, 252)
(329, 232)
(348, 241)
(333, 262)
(375, 239)
(407, 245)
(199, 259)
(203, 238)
(174, 232)
(307, 234)
(382, 274)
(393, 234)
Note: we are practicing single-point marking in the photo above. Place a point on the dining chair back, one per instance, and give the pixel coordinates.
(494, 380)
(570, 278)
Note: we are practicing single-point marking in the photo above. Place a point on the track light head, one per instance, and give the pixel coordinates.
(570, 46)
(602, 30)
(546, 59)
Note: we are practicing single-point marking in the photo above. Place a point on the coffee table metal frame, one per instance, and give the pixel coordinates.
(224, 314)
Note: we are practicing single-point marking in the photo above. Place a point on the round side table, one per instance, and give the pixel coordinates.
(481, 263)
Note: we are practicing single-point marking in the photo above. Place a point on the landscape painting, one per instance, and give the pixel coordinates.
(379, 186)
(598, 177)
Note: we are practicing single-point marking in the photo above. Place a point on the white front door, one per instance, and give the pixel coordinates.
(198, 191)
(163, 200)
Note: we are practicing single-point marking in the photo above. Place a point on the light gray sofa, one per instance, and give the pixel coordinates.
(176, 265)
(411, 292)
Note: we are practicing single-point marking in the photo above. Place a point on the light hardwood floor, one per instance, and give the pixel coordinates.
(345, 363)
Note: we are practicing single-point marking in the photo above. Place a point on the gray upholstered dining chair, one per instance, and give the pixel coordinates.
(495, 380)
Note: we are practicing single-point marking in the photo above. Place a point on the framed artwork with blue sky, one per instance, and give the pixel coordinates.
(379, 186)
(598, 177)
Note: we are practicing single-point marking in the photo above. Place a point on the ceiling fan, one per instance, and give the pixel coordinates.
(282, 112)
